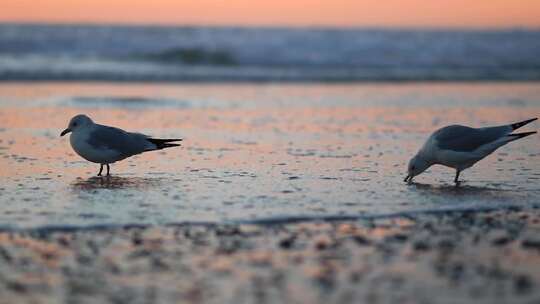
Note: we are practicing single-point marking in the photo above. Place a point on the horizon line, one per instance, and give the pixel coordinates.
(274, 26)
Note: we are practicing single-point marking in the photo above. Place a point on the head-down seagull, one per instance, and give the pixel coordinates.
(460, 147)
(105, 145)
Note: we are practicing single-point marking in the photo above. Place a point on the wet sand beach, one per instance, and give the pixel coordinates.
(256, 152)
(281, 193)
(447, 257)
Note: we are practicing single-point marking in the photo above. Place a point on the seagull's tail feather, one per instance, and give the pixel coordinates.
(161, 143)
(517, 136)
(520, 124)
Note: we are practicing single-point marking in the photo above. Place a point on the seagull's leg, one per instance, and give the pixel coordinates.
(456, 180)
(100, 170)
(108, 169)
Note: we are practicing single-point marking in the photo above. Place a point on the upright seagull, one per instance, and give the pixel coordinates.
(460, 147)
(105, 145)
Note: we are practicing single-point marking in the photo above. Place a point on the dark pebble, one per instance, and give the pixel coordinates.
(4, 254)
(227, 230)
(522, 284)
(361, 240)
(16, 286)
(136, 240)
(501, 241)
(64, 242)
(421, 246)
(159, 264)
(397, 238)
(456, 271)
(84, 259)
(446, 245)
(321, 245)
(531, 244)
(287, 243)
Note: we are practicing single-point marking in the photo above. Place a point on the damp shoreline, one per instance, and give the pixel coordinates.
(476, 257)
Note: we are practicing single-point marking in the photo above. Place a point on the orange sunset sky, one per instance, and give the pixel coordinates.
(348, 13)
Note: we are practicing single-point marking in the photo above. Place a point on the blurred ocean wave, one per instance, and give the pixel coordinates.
(143, 53)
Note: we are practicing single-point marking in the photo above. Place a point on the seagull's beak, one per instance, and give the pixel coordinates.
(66, 131)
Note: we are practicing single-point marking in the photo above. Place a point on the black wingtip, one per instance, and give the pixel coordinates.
(164, 143)
(165, 140)
(521, 135)
(520, 124)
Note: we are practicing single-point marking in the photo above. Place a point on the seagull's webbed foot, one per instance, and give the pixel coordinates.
(100, 170)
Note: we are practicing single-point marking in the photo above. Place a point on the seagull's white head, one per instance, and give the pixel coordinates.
(417, 165)
(76, 123)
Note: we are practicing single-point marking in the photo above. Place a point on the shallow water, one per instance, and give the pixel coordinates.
(257, 152)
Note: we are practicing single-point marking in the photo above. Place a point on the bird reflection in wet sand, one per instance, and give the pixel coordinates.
(461, 147)
(115, 182)
(449, 189)
(105, 145)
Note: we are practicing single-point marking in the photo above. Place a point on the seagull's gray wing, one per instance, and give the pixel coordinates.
(466, 139)
(125, 143)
